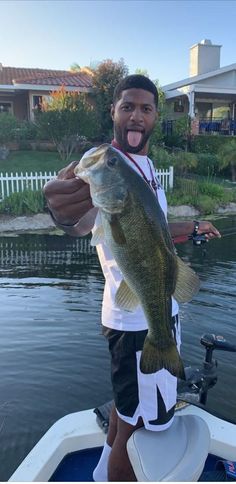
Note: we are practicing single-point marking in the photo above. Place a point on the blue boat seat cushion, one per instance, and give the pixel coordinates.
(177, 454)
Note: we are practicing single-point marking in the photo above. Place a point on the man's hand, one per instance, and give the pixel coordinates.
(181, 231)
(68, 197)
(208, 229)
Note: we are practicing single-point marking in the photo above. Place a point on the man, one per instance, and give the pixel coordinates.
(140, 399)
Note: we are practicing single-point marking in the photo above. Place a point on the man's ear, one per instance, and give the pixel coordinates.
(112, 111)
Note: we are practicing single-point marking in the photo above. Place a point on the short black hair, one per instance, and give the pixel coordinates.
(137, 81)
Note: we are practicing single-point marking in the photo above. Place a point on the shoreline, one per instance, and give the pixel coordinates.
(43, 223)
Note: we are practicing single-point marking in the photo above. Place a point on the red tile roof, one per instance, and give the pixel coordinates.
(43, 77)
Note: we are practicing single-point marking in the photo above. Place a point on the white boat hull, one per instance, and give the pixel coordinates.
(80, 430)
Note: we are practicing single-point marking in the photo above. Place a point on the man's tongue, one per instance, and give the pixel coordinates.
(134, 138)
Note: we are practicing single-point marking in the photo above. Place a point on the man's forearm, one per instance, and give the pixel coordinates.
(178, 229)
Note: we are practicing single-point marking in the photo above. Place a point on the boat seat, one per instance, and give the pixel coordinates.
(177, 454)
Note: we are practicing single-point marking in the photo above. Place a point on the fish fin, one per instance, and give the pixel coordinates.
(98, 236)
(187, 284)
(125, 298)
(154, 358)
(117, 230)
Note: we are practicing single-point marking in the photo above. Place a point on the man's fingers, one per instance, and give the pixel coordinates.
(67, 172)
(73, 212)
(208, 229)
(64, 186)
(65, 200)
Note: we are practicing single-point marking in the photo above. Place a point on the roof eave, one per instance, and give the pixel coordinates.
(7, 87)
(40, 87)
(192, 80)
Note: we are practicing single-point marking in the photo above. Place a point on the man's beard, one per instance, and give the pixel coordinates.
(121, 138)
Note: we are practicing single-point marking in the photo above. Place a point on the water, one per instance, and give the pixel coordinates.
(53, 358)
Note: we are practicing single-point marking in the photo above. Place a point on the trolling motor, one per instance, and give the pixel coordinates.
(199, 381)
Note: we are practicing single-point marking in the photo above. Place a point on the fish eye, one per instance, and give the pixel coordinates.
(112, 161)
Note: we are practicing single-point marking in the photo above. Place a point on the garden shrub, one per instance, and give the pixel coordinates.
(208, 143)
(8, 125)
(207, 164)
(160, 157)
(206, 205)
(23, 203)
(213, 190)
(184, 162)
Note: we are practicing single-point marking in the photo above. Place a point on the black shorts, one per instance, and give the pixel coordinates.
(152, 396)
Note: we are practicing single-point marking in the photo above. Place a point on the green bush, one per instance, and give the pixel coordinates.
(8, 126)
(207, 164)
(176, 197)
(180, 133)
(227, 157)
(206, 205)
(160, 157)
(25, 131)
(184, 162)
(205, 195)
(23, 203)
(208, 143)
(212, 190)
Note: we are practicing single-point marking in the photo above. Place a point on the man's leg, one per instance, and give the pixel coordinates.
(119, 466)
(100, 473)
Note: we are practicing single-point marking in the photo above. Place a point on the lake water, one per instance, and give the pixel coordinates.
(53, 358)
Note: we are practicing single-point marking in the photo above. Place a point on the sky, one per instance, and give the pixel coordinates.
(152, 35)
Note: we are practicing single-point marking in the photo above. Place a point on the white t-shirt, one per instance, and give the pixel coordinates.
(112, 316)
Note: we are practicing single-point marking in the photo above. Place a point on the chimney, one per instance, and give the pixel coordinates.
(204, 57)
(0, 66)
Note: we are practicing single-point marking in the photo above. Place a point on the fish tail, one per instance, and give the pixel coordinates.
(154, 358)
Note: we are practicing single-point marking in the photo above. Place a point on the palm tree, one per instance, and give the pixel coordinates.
(227, 158)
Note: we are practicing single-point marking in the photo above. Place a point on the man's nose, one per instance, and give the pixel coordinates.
(136, 115)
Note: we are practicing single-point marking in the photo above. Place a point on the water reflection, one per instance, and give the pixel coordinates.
(53, 358)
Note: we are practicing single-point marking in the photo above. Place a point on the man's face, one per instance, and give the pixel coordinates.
(134, 116)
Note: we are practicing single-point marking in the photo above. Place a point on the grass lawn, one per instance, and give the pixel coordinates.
(27, 161)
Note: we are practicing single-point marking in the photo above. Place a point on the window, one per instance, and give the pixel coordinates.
(5, 107)
(37, 101)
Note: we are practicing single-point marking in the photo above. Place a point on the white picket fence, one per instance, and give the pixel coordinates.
(166, 178)
(18, 182)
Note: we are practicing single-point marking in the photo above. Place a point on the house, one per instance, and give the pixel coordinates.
(22, 89)
(208, 95)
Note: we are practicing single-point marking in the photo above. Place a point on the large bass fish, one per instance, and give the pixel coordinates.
(135, 230)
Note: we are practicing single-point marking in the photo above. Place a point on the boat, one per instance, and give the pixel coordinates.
(198, 446)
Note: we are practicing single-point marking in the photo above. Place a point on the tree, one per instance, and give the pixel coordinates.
(227, 158)
(106, 77)
(67, 119)
(143, 72)
(75, 67)
(82, 70)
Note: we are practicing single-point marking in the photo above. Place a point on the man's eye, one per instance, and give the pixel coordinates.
(126, 107)
(147, 109)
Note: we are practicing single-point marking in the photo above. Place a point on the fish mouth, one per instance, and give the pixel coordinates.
(92, 161)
